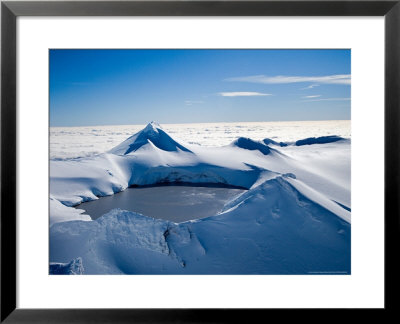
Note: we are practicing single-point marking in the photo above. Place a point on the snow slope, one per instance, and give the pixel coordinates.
(295, 217)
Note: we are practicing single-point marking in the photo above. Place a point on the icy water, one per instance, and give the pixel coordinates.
(175, 203)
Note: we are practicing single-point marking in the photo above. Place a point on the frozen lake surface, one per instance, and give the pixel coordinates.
(174, 203)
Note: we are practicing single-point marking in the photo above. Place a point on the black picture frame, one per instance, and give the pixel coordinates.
(10, 10)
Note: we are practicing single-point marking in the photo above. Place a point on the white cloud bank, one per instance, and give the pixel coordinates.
(243, 94)
(309, 97)
(280, 79)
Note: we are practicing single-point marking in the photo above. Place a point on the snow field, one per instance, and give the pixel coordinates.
(295, 217)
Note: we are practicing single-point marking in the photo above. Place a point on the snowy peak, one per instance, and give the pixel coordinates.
(151, 127)
(151, 134)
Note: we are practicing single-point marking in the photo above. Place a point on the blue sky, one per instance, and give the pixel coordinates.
(120, 87)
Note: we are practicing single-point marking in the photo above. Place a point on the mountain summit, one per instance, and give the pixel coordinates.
(152, 133)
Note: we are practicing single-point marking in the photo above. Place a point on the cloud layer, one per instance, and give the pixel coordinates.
(280, 79)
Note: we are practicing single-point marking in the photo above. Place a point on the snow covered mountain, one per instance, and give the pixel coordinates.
(151, 134)
(294, 218)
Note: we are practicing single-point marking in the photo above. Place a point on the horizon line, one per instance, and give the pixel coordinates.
(220, 122)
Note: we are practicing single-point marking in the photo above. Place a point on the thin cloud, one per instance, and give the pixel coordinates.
(193, 102)
(329, 99)
(243, 94)
(312, 86)
(281, 79)
(313, 96)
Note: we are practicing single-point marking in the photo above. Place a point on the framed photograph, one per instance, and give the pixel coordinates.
(193, 160)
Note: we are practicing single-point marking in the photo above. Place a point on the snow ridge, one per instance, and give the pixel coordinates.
(319, 140)
(249, 144)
